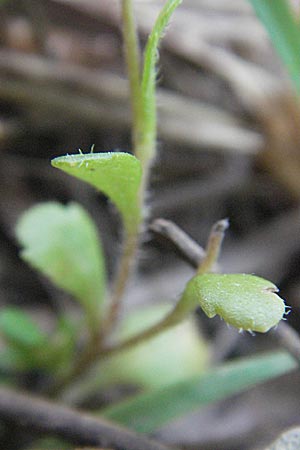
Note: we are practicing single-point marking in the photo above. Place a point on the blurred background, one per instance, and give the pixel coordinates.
(228, 144)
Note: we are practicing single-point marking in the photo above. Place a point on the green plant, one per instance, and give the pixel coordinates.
(283, 28)
(62, 243)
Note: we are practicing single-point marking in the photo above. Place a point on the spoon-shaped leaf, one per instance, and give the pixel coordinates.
(244, 301)
(117, 175)
(62, 242)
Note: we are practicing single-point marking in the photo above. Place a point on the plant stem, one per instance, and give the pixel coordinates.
(129, 249)
(51, 418)
(182, 309)
(130, 242)
(144, 128)
(143, 106)
(186, 304)
(132, 58)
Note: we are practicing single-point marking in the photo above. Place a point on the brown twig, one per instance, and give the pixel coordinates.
(188, 248)
(84, 429)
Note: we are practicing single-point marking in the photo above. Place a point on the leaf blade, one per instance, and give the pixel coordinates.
(62, 242)
(245, 301)
(19, 329)
(148, 412)
(284, 33)
(117, 175)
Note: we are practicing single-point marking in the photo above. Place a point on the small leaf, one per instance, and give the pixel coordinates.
(19, 329)
(117, 175)
(24, 340)
(244, 301)
(150, 411)
(62, 242)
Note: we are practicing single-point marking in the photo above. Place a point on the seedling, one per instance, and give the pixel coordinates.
(62, 243)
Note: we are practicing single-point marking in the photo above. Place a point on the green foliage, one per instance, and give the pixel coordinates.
(148, 412)
(19, 329)
(244, 301)
(28, 347)
(62, 242)
(24, 340)
(117, 175)
(284, 31)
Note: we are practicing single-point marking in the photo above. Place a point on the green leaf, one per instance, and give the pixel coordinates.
(117, 175)
(148, 412)
(244, 301)
(24, 340)
(62, 345)
(19, 329)
(62, 242)
(281, 25)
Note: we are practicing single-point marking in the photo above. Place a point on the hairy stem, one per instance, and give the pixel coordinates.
(144, 129)
(132, 58)
(186, 304)
(130, 243)
(126, 262)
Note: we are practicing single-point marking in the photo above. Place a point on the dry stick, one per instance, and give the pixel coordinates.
(82, 428)
(287, 337)
(188, 248)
